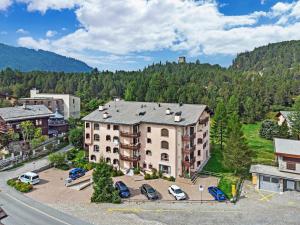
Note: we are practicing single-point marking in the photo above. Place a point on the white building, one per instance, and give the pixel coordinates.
(71, 103)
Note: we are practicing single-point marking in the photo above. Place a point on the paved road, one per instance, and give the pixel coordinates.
(25, 211)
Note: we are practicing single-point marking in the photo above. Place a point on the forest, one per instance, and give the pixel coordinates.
(254, 92)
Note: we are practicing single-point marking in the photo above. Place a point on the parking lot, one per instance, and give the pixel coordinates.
(52, 189)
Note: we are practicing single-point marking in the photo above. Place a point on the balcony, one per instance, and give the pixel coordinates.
(188, 149)
(188, 163)
(188, 137)
(130, 158)
(131, 146)
(130, 134)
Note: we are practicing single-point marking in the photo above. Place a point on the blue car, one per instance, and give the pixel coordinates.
(217, 194)
(123, 189)
(76, 173)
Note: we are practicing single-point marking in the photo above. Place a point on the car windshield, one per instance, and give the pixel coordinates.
(178, 191)
(221, 196)
(35, 177)
(151, 190)
(123, 187)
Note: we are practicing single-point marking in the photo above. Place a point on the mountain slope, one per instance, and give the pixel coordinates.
(24, 59)
(282, 55)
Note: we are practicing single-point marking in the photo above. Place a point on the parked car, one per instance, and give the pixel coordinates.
(177, 192)
(217, 194)
(2, 214)
(123, 189)
(149, 192)
(29, 178)
(76, 173)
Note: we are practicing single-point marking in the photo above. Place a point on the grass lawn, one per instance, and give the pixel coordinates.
(263, 148)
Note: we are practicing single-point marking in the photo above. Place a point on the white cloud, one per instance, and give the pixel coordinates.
(51, 33)
(44, 5)
(22, 31)
(4, 4)
(124, 27)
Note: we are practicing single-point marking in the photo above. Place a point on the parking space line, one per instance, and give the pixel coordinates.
(139, 210)
(267, 198)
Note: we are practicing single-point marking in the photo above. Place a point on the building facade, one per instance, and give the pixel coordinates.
(12, 117)
(171, 138)
(67, 105)
(285, 177)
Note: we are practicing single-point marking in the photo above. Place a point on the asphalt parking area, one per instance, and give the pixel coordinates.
(52, 189)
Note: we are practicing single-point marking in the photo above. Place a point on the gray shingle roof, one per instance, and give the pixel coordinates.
(287, 146)
(19, 113)
(286, 115)
(273, 171)
(123, 112)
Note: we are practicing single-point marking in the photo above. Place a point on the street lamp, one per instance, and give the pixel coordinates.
(201, 189)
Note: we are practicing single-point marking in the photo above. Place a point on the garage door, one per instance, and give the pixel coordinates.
(269, 183)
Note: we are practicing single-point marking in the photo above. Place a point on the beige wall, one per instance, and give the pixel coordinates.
(282, 166)
(174, 139)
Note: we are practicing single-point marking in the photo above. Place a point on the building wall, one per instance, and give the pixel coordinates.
(50, 103)
(282, 164)
(71, 103)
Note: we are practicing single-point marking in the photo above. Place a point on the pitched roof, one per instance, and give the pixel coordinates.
(286, 115)
(19, 113)
(123, 112)
(287, 146)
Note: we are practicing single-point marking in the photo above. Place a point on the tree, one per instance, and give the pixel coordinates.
(76, 137)
(284, 131)
(269, 129)
(27, 130)
(294, 118)
(233, 105)
(103, 185)
(237, 155)
(57, 159)
(219, 124)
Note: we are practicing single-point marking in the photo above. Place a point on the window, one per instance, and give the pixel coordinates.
(165, 169)
(291, 165)
(115, 127)
(266, 179)
(199, 141)
(108, 149)
(93, 158)
(115, 150)
(96, 148)
(108, 160)
(149, 140)
(144, 165)
(164, 133)
(164, 157)
(116, 162)
(149, 129)
(116, 140)
(108, 126)
(150, 166)
(275, 180)
(204, 145)
(87, 125)
(205, 134)
(198, 163)
(96, 137)
(165, 145)
(73, 101)
(149, 153)
(87, 136)
(108, 137)
(96, 126)
(199, 152)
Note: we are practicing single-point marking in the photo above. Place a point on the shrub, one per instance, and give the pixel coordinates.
(116, 173)
(136, 171)
(147, 176)
(268, 129)
(72, 154)
(160, 174)
(116, 199)
(11, 182)
(63, 167)
(171, 178)
(89, 166)
(19, 186)
(57, 159)
(76, 137)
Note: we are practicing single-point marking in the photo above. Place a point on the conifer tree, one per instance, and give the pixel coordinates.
(219, 124)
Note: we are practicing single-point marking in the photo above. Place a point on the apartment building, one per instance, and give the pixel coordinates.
(172, 138)
(66, 104)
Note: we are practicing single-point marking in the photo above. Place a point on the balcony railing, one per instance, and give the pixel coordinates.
(130, 158)
(130, 134)
(188, 137)
(131, 146)
(188, 163)
(188, 149)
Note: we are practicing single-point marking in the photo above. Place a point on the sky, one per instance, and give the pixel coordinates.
(131, 34)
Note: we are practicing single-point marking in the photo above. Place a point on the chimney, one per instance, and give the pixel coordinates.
(105, 115)
(24, 105)
(34, 92)
(177, 117)
(168, 111)
(101, 108)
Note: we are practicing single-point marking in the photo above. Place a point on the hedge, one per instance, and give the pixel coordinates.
(20, 186)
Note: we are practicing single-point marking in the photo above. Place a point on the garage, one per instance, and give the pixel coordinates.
(269, 183)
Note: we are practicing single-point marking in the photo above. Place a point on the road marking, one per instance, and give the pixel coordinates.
(37, 210)
(267, 198)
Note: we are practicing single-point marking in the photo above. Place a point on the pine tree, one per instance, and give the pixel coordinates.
(233, 105)
(294, 118)
(219, 124)
(103, 184)
(284, 131)
(237, 155)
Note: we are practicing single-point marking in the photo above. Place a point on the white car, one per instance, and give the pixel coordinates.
(176, 192)
(29, 178)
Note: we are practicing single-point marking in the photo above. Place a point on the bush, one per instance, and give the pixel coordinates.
(71, 155)
(147, 176)
(57, 159)
(63, 167)
(150, 177)
(171, 178)
(225, 184)
(19, 186)
(116, 173)
(160, 174)
(116, 199)
(136, 171)
(76, 137)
